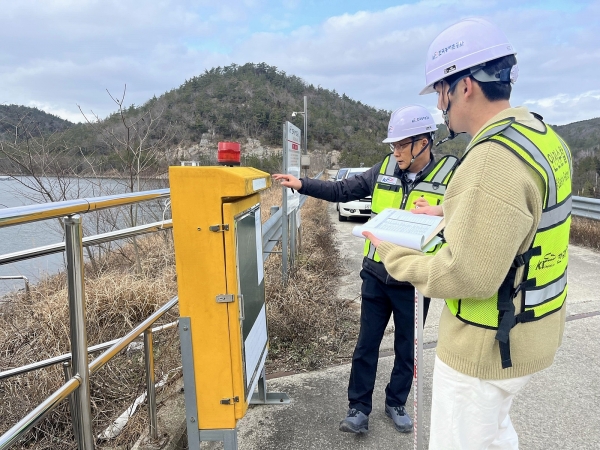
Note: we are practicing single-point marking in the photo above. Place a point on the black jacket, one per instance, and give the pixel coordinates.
(355, 188)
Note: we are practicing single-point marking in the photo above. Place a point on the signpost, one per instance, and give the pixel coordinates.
(292, 145)
(292, 138)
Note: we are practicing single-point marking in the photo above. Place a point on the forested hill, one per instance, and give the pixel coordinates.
(254, 100)
(15, 117)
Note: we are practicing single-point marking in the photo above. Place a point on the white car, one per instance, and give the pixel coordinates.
(355, 208)
(340, 174)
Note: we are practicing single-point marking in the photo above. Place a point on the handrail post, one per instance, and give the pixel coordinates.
(149, 357)
(75, 277)
(68, 375)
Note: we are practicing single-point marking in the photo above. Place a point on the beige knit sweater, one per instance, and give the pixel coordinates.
(492, 208)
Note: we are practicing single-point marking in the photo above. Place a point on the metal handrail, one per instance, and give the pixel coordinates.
(44, 211)
(97, 363)
(78, 385)
(88, 241)
(67, 356)
(25, 424)
(17, 277)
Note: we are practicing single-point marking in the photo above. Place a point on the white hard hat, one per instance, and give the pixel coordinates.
(464, 45)
(409, 121)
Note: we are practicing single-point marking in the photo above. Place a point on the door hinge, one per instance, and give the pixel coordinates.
(219, 228)
(225, 298)
(229, 401)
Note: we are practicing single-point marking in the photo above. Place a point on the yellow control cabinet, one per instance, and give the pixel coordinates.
(219, 260)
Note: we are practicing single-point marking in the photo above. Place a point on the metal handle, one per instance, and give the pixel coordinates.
(241, 303)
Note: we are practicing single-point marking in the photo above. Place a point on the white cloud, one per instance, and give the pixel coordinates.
(57, 111)
(564, 108)
(68, 52)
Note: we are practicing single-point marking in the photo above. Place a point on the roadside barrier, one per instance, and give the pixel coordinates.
(586, 207)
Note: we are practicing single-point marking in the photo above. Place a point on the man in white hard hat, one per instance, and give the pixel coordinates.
(406, 177)
(503, 270)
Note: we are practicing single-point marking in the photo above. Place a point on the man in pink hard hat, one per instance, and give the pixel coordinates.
(503, 271)
(406, 177)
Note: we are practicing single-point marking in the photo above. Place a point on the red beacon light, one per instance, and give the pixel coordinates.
(228, 154)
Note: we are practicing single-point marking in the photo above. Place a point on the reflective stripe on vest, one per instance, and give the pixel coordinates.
(544, 285)
(389, 193)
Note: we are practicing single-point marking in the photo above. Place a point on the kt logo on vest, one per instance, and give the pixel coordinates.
(550, 260)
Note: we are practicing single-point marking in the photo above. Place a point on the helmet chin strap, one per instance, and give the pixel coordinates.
(451, 133)
(418, 154)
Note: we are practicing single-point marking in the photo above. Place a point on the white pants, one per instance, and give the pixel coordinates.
(469, 413)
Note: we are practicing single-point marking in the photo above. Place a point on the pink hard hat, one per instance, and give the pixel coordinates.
(466, 44)
(409, 121)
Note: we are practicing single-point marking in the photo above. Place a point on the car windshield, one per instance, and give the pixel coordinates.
(353, 174)
(341, 174)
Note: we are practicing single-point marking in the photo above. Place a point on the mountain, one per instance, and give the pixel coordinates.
(15, 119)
(254, 100)
(582, 137)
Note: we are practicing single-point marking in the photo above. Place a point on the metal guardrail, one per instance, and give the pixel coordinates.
(77, 386)
(272, 229)
(17, 277)
(33, 213)
(586, 207)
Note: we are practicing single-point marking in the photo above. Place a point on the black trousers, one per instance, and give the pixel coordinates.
(379, 302)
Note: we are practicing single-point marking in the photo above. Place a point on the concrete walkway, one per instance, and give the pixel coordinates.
(559, 410)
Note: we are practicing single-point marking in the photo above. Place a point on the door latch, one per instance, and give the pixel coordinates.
(229, 401)
(225, 298)
(219, 228)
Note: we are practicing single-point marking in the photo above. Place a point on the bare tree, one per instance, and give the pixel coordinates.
(52, 167)
(139, 144)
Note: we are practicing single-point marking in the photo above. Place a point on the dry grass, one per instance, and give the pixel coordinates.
(585, 232)
(36, 328)
(309, 328)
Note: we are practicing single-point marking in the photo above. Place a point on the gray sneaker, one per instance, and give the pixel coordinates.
(355, 422)
(400, 417)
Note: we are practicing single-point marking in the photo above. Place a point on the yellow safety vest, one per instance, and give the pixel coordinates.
(389, 192)
(544, 284)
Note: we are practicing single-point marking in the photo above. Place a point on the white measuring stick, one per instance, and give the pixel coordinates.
(418, 366)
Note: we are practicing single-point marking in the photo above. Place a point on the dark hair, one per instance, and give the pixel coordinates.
(493, 91)
(422, 136)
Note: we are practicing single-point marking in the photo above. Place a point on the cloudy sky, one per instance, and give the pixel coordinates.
(58, 54)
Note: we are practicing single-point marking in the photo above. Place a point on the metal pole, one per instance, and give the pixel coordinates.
(75, 276)
(305, 131)
(149, 357)
(417, 385)
(284, 216)
(68, 375)
(292, 222)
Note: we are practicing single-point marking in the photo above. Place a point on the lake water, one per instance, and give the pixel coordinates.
(21, 237)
